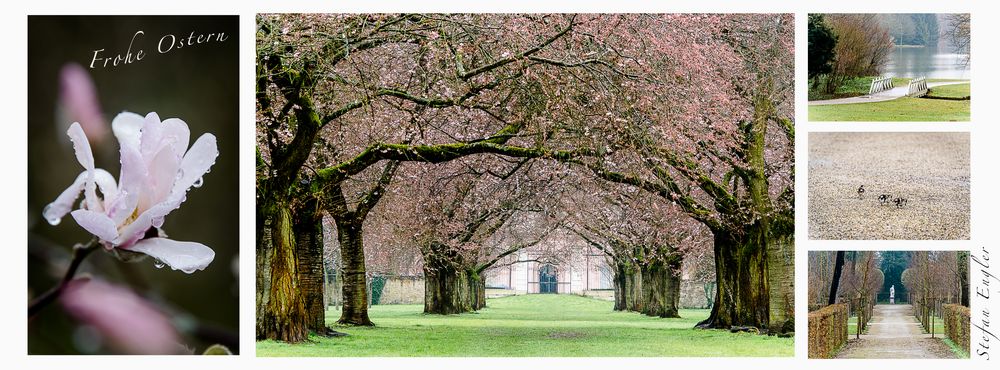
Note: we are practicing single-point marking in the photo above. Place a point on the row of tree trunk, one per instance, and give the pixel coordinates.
(652, 288)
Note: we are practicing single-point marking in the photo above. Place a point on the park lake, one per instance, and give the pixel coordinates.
(935, 62)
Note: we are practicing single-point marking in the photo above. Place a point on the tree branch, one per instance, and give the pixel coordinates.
(80, 252)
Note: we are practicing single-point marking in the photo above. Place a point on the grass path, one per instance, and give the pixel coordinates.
(533, 326)
(901, 109)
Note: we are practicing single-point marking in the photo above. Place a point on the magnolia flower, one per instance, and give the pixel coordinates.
(157, 169)
(126, 322)
(78, 102)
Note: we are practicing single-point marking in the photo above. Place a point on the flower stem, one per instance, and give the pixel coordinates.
(80, 252)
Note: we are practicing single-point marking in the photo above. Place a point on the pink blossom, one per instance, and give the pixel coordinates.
(157, 171)
(127, 323)
(78, 97)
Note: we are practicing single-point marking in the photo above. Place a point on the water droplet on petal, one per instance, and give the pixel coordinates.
(50, 219)
(158, 222)
(180, 173)
(198, 182)
(158, 264)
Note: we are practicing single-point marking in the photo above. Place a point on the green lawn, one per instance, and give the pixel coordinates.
(534, 326)
(959, 351)
(938, 327)
(902, 109)
(951, 91)
(852, 327)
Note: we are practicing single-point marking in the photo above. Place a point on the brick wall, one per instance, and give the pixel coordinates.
(827, 330)
(693, 295)
(403, 290)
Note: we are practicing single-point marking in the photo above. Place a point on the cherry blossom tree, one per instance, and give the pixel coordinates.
(426, 82)
(694, 109)
(467, 215)
(645, 240)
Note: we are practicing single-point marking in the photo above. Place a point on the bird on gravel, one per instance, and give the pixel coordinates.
(884, 199)
(861, 192)
(900, 202)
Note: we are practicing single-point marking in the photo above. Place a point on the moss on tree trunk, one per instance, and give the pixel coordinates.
(661, 289)
(283, 317)
(742, 294)
(355, 291)
(781, 276)
(450, 287)
(308, 230)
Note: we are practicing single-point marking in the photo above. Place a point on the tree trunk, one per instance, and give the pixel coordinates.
(308, 229)
(963, 277)
(284, 316)
(661, 288)
(355, 292)
(633, 290)
(450, 288)
(741, 297)
(621, 276)
(781, 279)
(263, 262)
(838, 268)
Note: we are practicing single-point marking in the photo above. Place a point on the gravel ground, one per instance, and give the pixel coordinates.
(894, 333)
(929, 169)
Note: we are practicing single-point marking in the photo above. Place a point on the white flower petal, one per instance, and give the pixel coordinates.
(184, 256)
(135, 230)
(81, 146)
(127, 126)
(96, 223)
(177, 135)
(197, 161)
(107, 184)
(132, 183)
(55, 211)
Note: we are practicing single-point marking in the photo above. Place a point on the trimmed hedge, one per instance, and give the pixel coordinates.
(956, 324)
(827, 330)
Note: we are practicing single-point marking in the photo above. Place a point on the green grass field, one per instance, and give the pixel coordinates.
(951, 91)
(959, 351)
(938, 327)
(533, 326)
(852, 327)
(902, 109)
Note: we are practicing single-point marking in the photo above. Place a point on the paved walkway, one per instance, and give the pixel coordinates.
(894, 332)
(891, 94)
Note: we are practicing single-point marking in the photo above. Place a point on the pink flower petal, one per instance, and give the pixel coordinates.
(136, 229)
(196, 163)
(79, 98)
(86, 158)
(184, 256)
(55, 211)
(96, 223)
(130, 324)
(177, 134)
(132, 181)
(107, 184)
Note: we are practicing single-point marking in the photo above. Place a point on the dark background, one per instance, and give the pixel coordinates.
(198, 84)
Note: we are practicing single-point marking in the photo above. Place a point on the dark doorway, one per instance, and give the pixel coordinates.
(547, 282)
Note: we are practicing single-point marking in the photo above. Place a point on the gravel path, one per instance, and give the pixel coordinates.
(891, 94)
(893, 332)
(929, 169)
